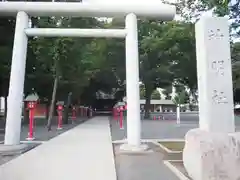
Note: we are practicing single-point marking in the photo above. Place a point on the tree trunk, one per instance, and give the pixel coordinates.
(51, 110)
(148, 94)
(47, 109)
(25, 114)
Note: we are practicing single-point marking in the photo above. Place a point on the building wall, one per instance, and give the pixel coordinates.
(160, 108)
(40, 110)
(169, 108)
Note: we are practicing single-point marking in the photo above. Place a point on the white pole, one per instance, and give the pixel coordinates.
(178, 114)
(160, 108)
(132, 79)
(15, 97)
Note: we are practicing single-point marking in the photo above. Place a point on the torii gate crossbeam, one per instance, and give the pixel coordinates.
(117, 9)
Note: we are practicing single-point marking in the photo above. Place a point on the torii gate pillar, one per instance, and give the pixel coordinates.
(132, 81)
(16, 85)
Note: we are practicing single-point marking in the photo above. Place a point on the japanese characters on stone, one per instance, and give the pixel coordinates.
(218, 66)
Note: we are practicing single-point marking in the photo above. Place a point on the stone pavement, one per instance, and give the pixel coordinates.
(149, 165)
(145, 165)
(84, 152)
(142, 166)
(41, 135)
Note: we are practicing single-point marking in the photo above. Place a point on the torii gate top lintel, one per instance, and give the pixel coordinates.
(154, 10)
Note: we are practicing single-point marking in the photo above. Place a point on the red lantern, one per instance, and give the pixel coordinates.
(31, 105)
(121, 117)
(74, 113)
(60, 107)
(121, 108)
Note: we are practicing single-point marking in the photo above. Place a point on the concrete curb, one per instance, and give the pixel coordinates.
(33, 142)
(6, 150)
(175, 170)
(29, 142)
(148, 140)
(165, 148)
(113, 151)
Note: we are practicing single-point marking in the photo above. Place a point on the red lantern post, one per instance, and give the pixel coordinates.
(60, 115)
(74, 114)
(121, 118)
(31, 107)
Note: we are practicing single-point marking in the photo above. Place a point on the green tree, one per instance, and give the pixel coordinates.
(167, 54)
(184, 67)
(156, 95)
(142, 92)
(235, 52)
(108, 58)
(181, 98)
(167, 92)
(83, 65)
(6, 42)
(155, 63)
(61, 60)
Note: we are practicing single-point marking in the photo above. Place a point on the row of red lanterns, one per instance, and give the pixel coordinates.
(32, 106)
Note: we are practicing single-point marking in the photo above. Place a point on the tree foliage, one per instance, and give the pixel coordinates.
(167, 92)
(7, 26)
(84, 65)
(156, 95)
(181, 96)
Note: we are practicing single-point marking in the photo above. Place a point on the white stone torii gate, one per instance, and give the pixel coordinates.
(117, 9)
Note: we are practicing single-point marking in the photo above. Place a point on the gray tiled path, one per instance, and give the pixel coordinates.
(84, 152)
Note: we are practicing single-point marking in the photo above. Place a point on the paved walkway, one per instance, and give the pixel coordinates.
(84, 152)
